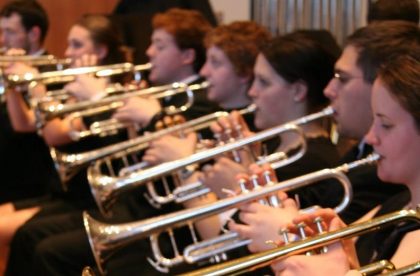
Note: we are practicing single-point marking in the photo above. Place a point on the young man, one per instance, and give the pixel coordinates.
(24, 25)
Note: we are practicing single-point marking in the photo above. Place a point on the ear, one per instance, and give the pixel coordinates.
(34, 35)
(101, 51)
(188, 56)
(300, 91)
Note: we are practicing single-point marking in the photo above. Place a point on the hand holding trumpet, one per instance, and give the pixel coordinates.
(338, 260)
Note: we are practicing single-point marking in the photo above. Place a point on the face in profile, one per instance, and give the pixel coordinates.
(13, 33)
(272, 96)
(394, 136)
(220, 72)
(80, 43)
(350, 96)
(166, 58)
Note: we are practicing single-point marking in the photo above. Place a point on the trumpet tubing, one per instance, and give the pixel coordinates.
(105, 238)
(254, 261)
(70, 73)
(69, 164)
(117, 185)
(34, 60)
(48, 112)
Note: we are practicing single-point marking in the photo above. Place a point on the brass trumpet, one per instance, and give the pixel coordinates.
(44, 60)
(105, 238)
(106, 188)
(254, 261)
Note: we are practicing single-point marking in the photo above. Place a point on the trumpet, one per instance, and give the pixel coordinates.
(250, 263)
(106, 188)
(70, 74)
(87, 108)
(69, 164)
(105, 238)
(44, 60)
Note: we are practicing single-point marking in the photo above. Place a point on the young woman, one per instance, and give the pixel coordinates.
(395, 128)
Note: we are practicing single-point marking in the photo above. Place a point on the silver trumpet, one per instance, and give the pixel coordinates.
(106, 188)
(254, 261)
(105, 238)
(70, 74)
(69, 164)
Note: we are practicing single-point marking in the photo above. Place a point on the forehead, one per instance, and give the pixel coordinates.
(262, 66)
(216, 52)
(78, 32)
(161, 35)
(348, 61)
(13, 21)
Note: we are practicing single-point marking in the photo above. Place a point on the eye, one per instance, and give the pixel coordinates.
(341, 78)
(263, 82)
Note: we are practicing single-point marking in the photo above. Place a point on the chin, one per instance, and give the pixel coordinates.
(386, 175)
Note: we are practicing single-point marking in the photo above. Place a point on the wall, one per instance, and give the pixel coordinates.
(228, 11)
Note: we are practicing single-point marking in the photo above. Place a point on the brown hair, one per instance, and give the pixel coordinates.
(188, 27)
(31, 13)
(241, 41)
(401, 75)
(378, 41)
(103, 32)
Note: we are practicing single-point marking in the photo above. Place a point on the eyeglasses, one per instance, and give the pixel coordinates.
(344, 78)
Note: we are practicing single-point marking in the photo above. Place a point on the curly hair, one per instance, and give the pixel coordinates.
(241, 41)
(188, 27)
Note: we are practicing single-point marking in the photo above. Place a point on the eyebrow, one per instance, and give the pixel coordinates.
(382, 116)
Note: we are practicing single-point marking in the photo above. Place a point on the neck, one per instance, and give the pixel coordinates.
(414, 188)
(238, 99)
(310, 130)
(34, 49)
(183, 73)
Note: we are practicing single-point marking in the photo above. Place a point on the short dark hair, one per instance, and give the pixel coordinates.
(302, 56)
(188, 28)
(407, 10)
(401, 75)
(378, 41)
(31, 13)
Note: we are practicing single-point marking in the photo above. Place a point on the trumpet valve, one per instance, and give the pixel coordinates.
(273, 199)
(301, 229)
(256, 186)
(320, 229)
(243, 185)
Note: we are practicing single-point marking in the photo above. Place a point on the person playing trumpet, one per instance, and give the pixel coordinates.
(88, 37)
(395, 127)
(178, 40)
(349, 90)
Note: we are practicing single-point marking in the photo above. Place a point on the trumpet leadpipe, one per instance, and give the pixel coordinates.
(254, 261)
(150, 174)
(104, 237)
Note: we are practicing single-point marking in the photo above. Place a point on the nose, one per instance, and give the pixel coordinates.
(150, 51)
(253, 91)
(204, 71)
(68, 53)
(371, 137)
(330, 90)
